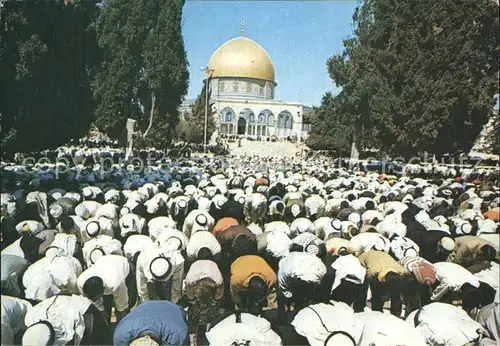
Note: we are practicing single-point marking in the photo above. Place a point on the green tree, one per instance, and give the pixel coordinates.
(48, 56)
(192, 128)
(418, 75)
(144, 72)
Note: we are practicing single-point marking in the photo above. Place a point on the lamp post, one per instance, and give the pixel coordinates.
(208, 71)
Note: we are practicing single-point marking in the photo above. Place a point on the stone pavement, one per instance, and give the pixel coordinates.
(265, 149)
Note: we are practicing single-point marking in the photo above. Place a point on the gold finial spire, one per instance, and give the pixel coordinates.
(242, 29)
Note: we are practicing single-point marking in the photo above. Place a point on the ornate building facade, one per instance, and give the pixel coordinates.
(242, 88)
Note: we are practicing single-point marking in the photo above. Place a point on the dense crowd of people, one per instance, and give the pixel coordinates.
(248, 251)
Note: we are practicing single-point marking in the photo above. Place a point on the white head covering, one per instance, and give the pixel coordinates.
(447, 243)
(340, 339)
(37, 334)
(144, 341)
(160, 267)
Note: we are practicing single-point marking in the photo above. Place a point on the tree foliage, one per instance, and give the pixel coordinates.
(416, 76)
(191, 130)
(144, 71)
(48, 54)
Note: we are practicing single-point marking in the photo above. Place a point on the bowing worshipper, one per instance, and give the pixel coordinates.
(470, 250)
(13, 313)
(223, 224)
(401, 247)
(435, 246)
(384, 275)
(65, 319)
(159, 274)
(242, 329)
(377, 328)
(276, 209)
(134, 245)
(301, 225)
(12, 270)
(62, 207)
(336, 247)
(256, 208)
(308, 242)
(322, 325)
(159, 224)
(348, 284)
(300, 276)
(104, 283)
(454, 282)
(131, 224)
(368, 241)
(253, 284)
(424, 274)
(50, 276)
(294, 206)
(489, 318)
(237, 241)
(154, 322)
(203, 242)
(204, 290)
(99, 246)
(448, 325)
(197, 220)
(87, 209)
(273, 246)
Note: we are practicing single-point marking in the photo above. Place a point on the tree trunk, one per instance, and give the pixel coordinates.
(153, 100)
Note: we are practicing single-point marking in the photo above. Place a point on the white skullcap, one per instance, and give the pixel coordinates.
(92, 228)
(354, 218)
(56, 211)
(340, 339)
(336, 224)
(295, 209)
(182, 203)
(144, 341)
(95, 254)
(447, 243)
(37, 334)
(160, 267)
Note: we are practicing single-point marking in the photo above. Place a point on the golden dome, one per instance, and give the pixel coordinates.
(242, 57)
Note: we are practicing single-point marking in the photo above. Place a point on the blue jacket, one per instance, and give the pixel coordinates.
(163, 320)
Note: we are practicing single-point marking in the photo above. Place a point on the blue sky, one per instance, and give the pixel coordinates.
(298, 35)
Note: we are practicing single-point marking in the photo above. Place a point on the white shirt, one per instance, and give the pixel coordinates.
(367, 241)
(318, 321)
(113, 270)
(386, 330)
(445, 324)
(451, 276)
(65, 313)
(402, 247)
(299, 265)
(136, 243)
(66, 243)
(14, 249)
(204, 269)
(13, 312)
(255, 329)
(50, 275)
(490, 275)
(349, 268)
(144, 275)
(158, 224)
(109, 245)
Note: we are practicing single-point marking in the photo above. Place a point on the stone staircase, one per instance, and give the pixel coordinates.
(265, 149)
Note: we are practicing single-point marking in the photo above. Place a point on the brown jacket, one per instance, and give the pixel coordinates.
(224, 224)
(378, 264)
(246, 267)
(467, 250)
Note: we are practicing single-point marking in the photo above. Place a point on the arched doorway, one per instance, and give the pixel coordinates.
(242, 126)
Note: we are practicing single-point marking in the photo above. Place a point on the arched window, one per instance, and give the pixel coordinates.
(251, 118)
(289, 122)
(227, 115)
(247, 113)
(283, 118)
(270, 119)
(264, 116)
